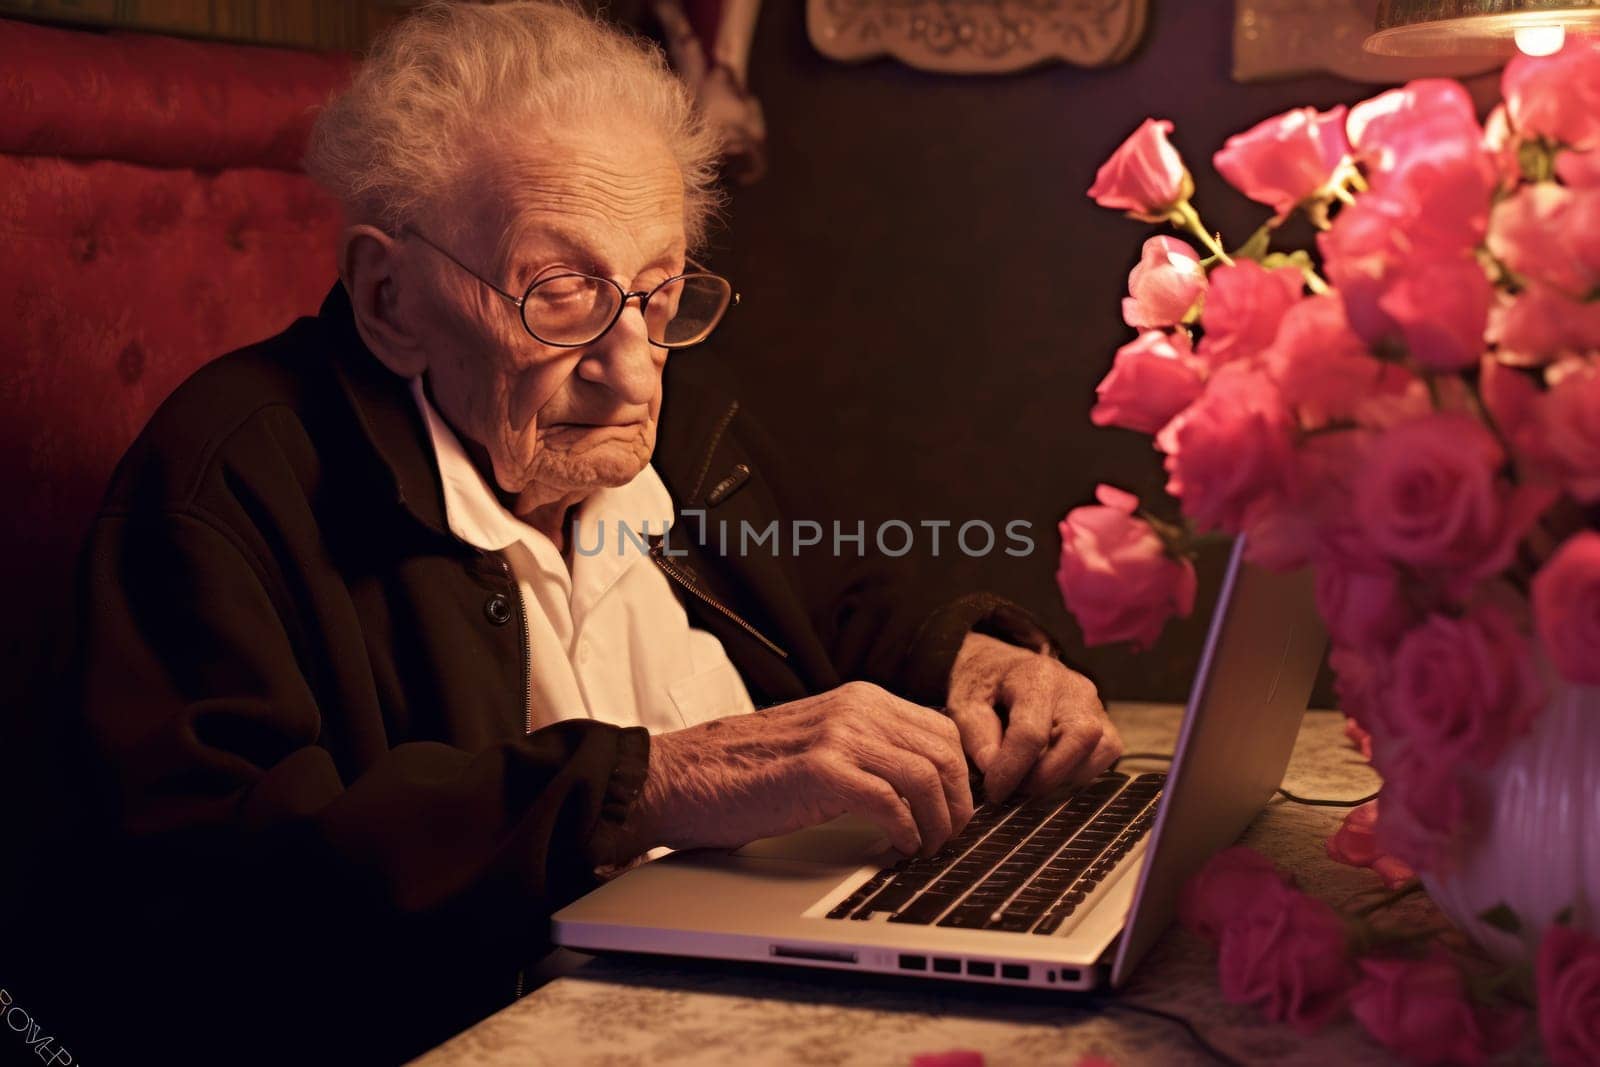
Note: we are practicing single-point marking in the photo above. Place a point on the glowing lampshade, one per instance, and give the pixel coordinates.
(1479, 27)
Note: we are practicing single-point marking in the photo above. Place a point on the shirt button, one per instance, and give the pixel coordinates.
(498, 609)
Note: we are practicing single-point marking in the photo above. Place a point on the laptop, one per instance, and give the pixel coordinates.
(1062, 892)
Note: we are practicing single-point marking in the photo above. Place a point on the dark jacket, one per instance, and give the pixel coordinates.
(304, 703)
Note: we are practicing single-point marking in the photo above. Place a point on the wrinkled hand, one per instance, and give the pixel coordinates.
(1055, 730)
(855, 750)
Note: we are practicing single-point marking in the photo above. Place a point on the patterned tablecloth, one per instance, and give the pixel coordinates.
(622, 1012)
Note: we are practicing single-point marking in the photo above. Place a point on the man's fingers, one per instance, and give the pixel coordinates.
(1026, 735)
(935, 737)
(1106, 752)
(879, 803)
(980, 731)
(916, 779)
(1068, 758)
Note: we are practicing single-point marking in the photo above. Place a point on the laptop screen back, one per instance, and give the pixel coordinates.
(1256, 673)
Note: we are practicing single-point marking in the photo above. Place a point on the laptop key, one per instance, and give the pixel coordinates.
(926, 908)
(967, 917)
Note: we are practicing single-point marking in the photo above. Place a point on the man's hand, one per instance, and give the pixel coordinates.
(853, 750)
(1056, 730)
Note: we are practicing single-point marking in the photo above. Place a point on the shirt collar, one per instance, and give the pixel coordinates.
(475, 515)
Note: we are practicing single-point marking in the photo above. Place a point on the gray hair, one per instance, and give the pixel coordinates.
(451, 75)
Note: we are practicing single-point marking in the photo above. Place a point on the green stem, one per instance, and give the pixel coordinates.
(1433, 390)
(1474, 391)
(1186, 218)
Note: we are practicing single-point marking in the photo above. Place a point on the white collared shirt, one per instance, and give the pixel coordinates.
(607, 639)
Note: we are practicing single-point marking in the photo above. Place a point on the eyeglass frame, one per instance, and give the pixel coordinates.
(520, 302)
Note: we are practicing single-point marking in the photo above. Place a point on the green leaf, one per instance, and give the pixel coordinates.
(1256, 246)
(1502, 917)
(1298, 258)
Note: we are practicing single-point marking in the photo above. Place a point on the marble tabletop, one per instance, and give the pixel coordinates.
(620, 1012)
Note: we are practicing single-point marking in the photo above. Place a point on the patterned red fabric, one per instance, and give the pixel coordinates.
(121, 277)
(158, 100)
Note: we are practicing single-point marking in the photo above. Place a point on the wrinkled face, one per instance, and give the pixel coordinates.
(553, 423)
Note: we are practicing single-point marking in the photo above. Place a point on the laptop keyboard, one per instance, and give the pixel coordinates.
(1018, 866)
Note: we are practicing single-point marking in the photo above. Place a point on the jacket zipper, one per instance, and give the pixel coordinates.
(527, 695)
(522, 632)
(688, 583)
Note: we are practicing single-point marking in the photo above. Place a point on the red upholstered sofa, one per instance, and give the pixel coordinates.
(152, 217)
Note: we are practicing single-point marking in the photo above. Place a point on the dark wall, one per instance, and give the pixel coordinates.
(929, 298)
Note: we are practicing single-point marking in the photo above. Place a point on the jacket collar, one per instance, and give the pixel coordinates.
(386, 413)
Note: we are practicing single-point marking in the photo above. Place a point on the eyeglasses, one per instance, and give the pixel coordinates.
(570, 310)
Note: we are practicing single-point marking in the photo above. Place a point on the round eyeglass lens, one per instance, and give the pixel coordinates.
(569, 309)
(685, 310)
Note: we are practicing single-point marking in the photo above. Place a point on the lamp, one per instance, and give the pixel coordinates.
(1478, 27)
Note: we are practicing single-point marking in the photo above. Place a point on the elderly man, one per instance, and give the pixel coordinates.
(367, 714)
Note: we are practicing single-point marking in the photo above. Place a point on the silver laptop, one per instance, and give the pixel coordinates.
(1063, 892)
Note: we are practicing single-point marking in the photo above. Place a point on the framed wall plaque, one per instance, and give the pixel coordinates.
(977, 36)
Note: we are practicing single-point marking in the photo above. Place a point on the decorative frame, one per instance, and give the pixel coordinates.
(978, 36)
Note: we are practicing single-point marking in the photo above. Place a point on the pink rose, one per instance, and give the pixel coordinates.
(1433, 496)
(1422, 1011)
(1229, 883)
(1151, 380)
(1552, 234)
(1322, 369)
(1566, 608)
(953, 1058)
(1570, 421)
(1359, 738)
(1358, 680)
(1580, 170)
(1244, 307)
(1568, 973)
(1230, 451)
(1512, 398)
(1286, 953)
(1541, 324)
(1356, 843)
(1362, 605)
(1417, 122)
(1461, 689)
(1437, 210)
(1115, 574)
(1425, 805)
(1165, 286)
(1503, 145)
(1314, 516)
(1145, 176)
(1441, 307)
(1286, 160)
(1556, 96)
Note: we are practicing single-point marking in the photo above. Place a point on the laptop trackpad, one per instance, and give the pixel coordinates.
(846, 840)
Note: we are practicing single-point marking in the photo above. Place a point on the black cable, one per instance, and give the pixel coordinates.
(1323, 802)
(1315, 802)
(1178, 1020)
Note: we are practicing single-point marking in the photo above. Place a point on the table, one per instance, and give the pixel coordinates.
(626, 1011)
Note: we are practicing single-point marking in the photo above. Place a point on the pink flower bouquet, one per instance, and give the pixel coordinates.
(1410, 406)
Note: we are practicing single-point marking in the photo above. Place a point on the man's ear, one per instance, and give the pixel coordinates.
(368, 266)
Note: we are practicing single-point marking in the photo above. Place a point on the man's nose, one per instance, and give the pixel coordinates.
(624, 360)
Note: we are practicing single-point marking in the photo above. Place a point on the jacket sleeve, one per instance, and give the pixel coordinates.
(227, 810)
(881, 618)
